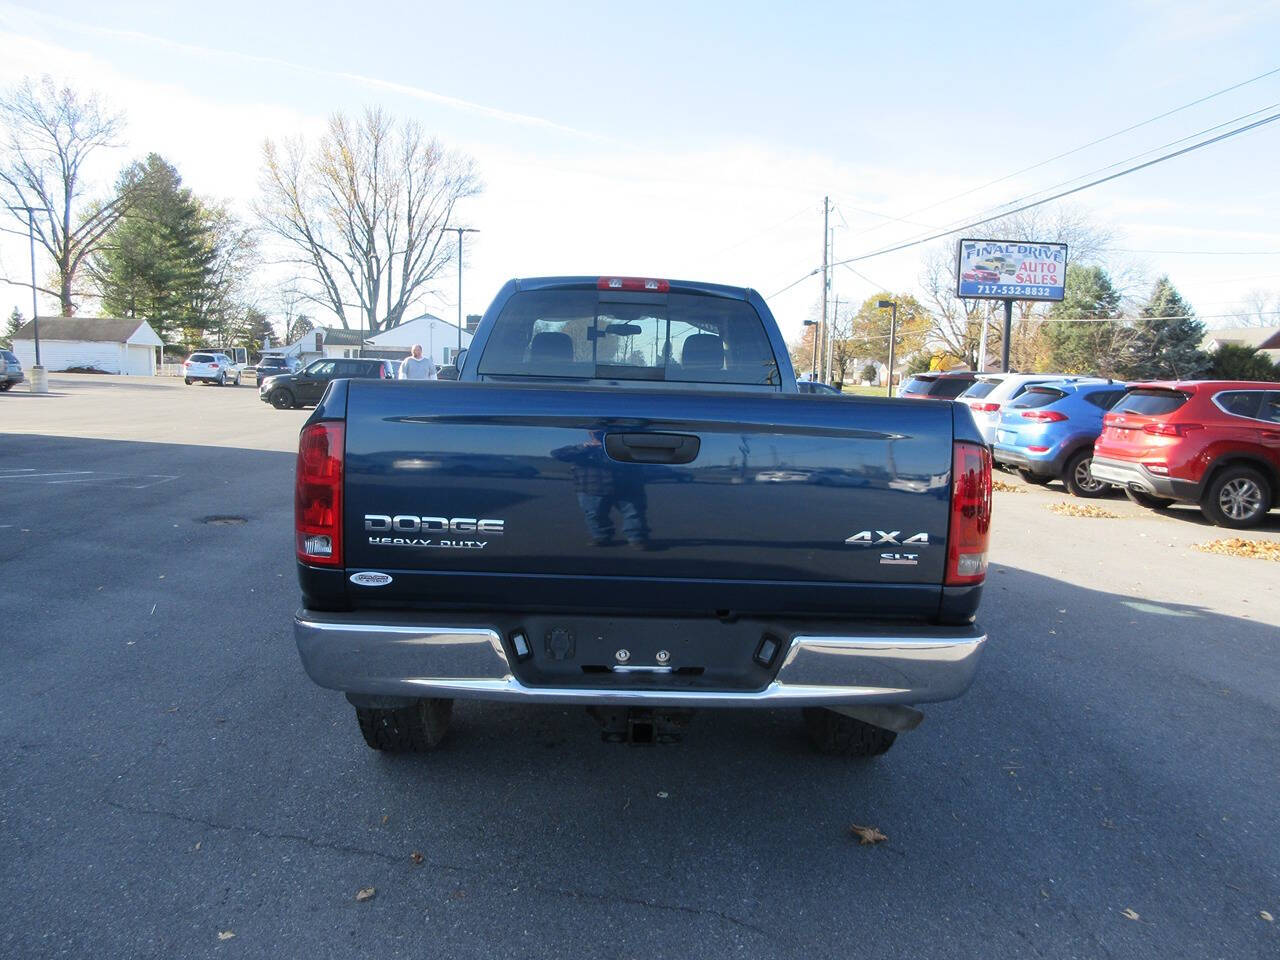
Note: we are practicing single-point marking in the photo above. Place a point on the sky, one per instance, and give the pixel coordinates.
(697, 141)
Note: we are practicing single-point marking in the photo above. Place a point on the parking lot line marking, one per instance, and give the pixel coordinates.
(56, 473)
(141, 480)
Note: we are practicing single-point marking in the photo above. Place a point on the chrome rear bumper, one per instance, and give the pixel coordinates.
(398, 657)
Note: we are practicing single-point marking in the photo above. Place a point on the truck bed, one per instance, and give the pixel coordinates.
(788, 504)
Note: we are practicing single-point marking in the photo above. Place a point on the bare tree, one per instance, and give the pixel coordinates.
(1259, 308)
(365, 213)
(50, 134)
(957, 328)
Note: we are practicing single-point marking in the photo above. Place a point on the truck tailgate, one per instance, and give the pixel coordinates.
(645, 498)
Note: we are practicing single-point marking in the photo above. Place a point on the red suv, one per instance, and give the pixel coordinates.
(1211, 442)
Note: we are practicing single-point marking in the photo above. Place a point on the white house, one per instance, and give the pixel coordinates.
(110, 344)
(439, 339)
(1265, 339)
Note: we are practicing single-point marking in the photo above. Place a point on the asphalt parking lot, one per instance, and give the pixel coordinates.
(168, 774)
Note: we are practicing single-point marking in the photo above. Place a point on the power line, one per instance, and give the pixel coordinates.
(1203, 253)
(1091, 143)
(1066, 193)
(1143, 153)
(999, 211)
(813, 272)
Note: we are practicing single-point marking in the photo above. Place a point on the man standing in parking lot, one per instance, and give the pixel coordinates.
(416, 366)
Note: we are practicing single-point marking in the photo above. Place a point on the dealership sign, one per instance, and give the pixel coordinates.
(1003, 270)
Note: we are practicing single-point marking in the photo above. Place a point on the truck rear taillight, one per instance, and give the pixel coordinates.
(1044, 416)
(317, 502)
(970, 515)
(633, 284)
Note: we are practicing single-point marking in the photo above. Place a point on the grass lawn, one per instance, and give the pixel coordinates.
(863, 391)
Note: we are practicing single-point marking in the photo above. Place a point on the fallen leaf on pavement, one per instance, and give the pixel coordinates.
(866, 835)
(385, 819)
(1242, 547)
(1082, 510)
(416, 857)
(225, 934)
(365, 893)
(1002, 486)
(1266, 916)
(1129, 914)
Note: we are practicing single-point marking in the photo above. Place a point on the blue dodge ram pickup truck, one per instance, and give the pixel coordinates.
(625, 502)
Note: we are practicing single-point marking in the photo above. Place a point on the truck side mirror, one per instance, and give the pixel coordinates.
(460, 359)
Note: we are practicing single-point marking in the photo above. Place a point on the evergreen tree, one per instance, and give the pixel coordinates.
(301, 326)
(1233, 361)
(1089, 345)
(156, 258)
(1166, 338)
(16, 320)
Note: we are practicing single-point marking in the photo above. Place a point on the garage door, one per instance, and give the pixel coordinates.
(140, 361)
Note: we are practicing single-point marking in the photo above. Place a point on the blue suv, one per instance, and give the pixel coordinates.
(1048, 433)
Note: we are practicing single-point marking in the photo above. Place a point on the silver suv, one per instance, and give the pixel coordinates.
(10, 370)
(211, 367)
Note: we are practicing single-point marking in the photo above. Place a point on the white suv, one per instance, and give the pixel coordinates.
(991, 391)
(211, 367)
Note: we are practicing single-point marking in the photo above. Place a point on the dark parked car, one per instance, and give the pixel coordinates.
(937, 386)
(289, 390)
(815, 386)
(274, 366)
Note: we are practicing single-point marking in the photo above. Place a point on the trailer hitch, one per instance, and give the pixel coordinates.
(641, 725)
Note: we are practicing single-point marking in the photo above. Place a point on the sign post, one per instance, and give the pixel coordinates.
(1010, 270)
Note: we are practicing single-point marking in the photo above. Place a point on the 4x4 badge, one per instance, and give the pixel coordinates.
(864, 538)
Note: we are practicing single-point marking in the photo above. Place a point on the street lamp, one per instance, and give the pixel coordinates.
(38, 382)
(893, 338)
(460, 231)
(813, 375)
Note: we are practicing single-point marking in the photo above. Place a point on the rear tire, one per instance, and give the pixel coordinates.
(1238, 497)
(187, 381)
(1079, 482)
(222, 380)
(414, 729)
(282, 399)
(836, 735)
(237, 379)
(1148, 500)
(1028, 477)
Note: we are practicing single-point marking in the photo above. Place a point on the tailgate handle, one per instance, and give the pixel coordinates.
(651, 447)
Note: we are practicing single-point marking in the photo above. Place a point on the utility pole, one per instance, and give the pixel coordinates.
(893, 340)
(826, 278)
(38, 382)
(460, 231)
(1008, 335)
(835, 318)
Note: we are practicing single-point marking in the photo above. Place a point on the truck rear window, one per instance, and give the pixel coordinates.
(1150, 403)
(584, 334)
